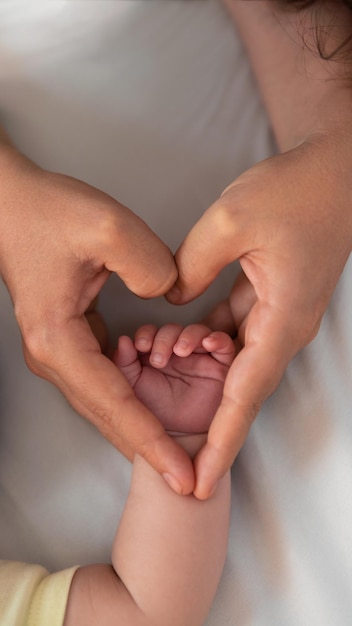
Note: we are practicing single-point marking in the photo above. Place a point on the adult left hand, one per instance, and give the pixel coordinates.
(289, 222)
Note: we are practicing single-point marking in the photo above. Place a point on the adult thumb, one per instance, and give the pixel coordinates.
(213, 242)
(134, 252)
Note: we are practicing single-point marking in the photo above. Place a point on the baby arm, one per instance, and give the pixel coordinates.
(169, 550)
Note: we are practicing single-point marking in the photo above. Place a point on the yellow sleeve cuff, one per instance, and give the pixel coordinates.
(48, 605)
(29, 596)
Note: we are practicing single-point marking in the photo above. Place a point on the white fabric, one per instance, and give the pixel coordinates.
(153, 102)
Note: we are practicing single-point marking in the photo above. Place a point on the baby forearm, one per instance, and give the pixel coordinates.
(168, 556)
(169, 549)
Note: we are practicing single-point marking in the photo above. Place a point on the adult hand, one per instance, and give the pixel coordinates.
(289, 222)
(59, 241)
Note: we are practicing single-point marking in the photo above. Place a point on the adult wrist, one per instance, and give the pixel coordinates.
(328, 115)
(302, 92)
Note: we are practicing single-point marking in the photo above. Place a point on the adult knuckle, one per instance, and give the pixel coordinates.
(37, 345)
(225, 215)
(105, 228)
(107, 422)
(104, 420)
(246, 409)
(31, 363)
(304, 329)
(307, 333)
(109, 418)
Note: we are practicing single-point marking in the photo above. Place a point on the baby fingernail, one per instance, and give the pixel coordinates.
(182, 344)
(156, 357)
(142, 342)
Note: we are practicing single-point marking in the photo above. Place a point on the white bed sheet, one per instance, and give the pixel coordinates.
(153, 102)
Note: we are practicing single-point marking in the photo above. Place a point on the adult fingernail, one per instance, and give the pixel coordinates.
(173, 482)
(203, 492)
(174, 294)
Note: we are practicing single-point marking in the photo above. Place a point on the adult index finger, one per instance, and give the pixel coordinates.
(215, 240)
(99, 392)
(253, 376)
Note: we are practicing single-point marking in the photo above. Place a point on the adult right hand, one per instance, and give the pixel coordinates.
(60, 239)
(288, 221)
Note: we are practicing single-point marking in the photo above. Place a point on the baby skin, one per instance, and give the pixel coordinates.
(178, 373)
(164, 542)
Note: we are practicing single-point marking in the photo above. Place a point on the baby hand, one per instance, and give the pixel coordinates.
(178, 373)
